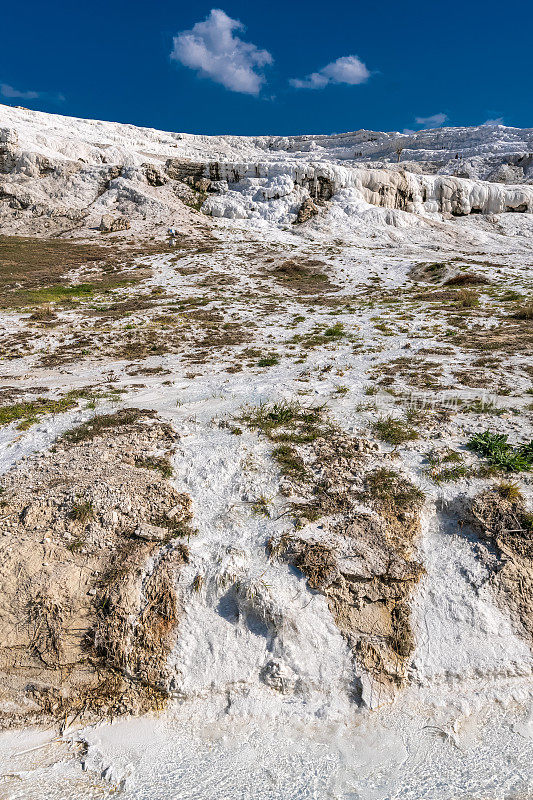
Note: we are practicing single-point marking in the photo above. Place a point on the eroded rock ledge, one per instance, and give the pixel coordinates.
(90, 551)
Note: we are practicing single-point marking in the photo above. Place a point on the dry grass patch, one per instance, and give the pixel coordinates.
(35, 271)
(468, 279)
(500, 515)
(302, 276)
(28, 413)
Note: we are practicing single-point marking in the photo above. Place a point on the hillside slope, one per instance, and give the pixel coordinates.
(266, 508)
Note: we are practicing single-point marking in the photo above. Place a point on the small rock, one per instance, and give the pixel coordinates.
(150, 533)
(173, 511)
(278, 676)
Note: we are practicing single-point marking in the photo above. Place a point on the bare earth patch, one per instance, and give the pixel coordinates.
(91, 546)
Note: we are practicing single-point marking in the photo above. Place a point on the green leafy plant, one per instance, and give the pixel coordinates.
(500, 454)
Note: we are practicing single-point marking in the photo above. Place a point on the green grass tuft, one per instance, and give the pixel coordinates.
(268, 361)
(394, 431)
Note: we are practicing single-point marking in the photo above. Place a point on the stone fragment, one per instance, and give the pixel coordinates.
(150, 533)
(154, 176)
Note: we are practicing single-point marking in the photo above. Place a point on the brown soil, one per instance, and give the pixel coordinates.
(88, 603)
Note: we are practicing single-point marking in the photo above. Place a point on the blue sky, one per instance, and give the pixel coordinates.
(293, 67)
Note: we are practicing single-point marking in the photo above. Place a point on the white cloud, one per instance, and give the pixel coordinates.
(212, 49)
(497, 121)
(9, 91)
(348, 69)
(435, 121)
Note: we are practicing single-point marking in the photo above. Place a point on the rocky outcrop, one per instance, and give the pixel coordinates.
(268, 178)
(320, 187)
(154, 176)
(307, 211)
(244, 188)
(111, 224)
(355, 525)
(8, 150)
(179, 169)
(362, 558)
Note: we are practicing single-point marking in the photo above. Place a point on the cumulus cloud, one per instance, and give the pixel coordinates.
(214, 51)
(9, 91)
(348, 69)
(434, 121)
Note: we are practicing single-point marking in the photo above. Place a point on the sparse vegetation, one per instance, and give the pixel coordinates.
(509, 491)
(286, 421)
(390, 491)
(467, 279)
(394, 431)
(160, 463)
(261, 506)
(268, 361)
(302, 276)
(500, 454)
(320, 335)
(289, 461)
(466, 298)
(446, 465)
(83, 511)
(104, 422)
(335, 332)
(341, 390)
(28, 413)
(524, 312)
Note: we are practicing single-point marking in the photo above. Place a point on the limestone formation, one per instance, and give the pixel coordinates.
(111, 224)
(504, 521)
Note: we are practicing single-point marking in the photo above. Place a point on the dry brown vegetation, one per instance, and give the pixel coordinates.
(303, 276)
(501, 517)
(35, 271)
(363, 562)
(88, 600)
